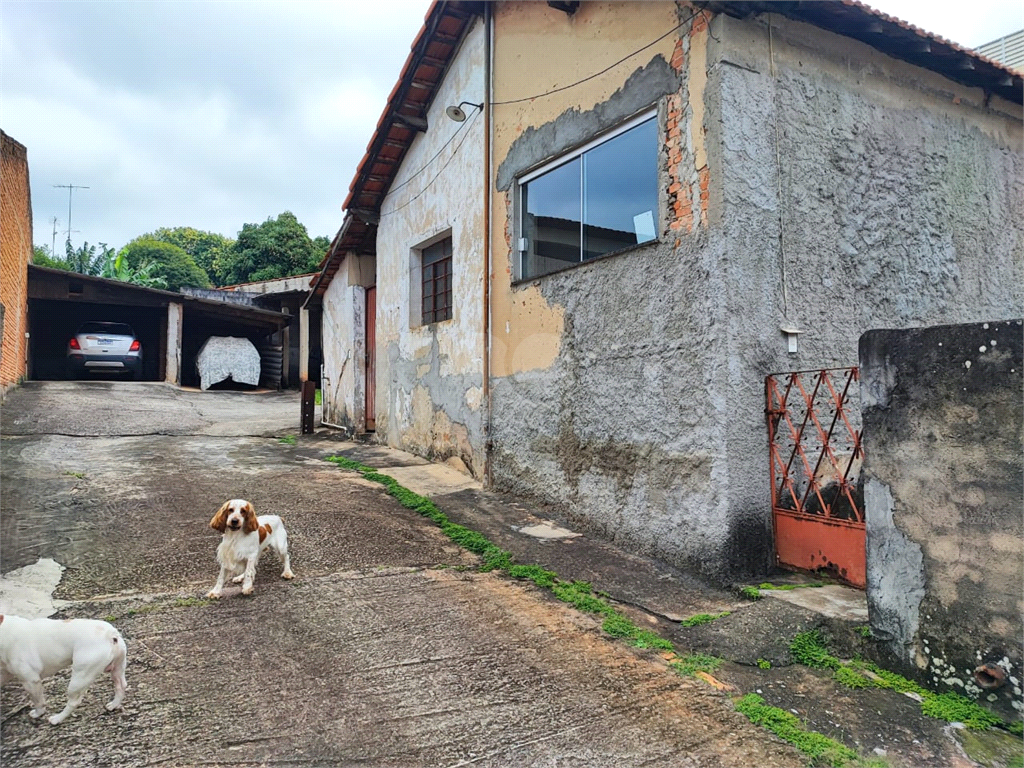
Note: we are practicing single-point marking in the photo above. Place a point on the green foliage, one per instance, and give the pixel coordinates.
(539, 576)
(85, 260)
(788, 587)
(809, 649)
(288, 440)
(1017, 761)
(821, 749)
(204, 247)
(751, 593)
(851, 678)
(276, 248)
(864, 631)
(115, 267)
(883, 678)
(1016, 728)
(764, 664)
(955, 708)
(175, 266)
(319, 397)
(618, 625)
(696, 662)
(42, 257)
(702, 618)
(579, 595)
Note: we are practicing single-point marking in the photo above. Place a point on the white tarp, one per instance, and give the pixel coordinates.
(223, 357)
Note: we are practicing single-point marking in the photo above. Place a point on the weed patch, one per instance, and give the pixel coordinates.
(696, 662)
(618, 625)
(750, 593)
(821, 749)
(809, 649)
(181, 602)
(288, 440)
(702, 618)
(764, 664)
(79, 475)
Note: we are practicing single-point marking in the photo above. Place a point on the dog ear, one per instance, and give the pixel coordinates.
(251, 524)
(220, 520)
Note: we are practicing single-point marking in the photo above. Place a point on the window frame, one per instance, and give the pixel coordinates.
(431, 317)
(567, 157)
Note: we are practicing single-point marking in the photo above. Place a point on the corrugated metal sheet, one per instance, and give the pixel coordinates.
(1008, 50)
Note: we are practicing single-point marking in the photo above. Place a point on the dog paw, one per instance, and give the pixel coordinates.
(34, 713)
(247, 590)
(111, 706)
(238, 579)
(287, 575)
(213, 594)
(56, 719)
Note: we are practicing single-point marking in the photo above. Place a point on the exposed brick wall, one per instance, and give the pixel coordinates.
(15, 255)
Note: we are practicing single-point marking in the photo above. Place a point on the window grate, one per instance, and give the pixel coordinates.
(437, 282)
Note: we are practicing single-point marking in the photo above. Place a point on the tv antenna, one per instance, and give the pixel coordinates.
(70, 188)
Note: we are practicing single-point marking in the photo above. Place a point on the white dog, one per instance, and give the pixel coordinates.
(34, 649)
(245, 537)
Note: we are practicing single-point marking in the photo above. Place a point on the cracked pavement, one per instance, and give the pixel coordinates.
(384, 651)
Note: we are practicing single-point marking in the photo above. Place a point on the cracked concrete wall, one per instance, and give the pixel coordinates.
(630, 389)
(430, 377)
(944, 461)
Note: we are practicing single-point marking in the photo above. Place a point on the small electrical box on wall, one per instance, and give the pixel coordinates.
(792, 333)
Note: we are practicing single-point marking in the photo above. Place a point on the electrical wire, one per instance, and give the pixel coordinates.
(598, 74)
(426, 165)
(432, 159)
(440, 170)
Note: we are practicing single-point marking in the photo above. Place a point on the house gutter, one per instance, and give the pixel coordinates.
(488, 478)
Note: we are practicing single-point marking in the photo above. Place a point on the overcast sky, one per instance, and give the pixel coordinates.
(215, 114)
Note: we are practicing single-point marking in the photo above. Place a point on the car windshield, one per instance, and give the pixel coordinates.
(118, 329)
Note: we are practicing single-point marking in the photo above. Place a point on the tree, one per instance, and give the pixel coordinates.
(85, 260)
(116, 267)
(42, 256)
(204, 247)
(171, 263)
(276, 248)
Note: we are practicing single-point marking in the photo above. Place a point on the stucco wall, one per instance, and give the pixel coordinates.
(944, 467)
(343, 327)
(631, 389)
(15, 255)
(429, 377)
(900, 205)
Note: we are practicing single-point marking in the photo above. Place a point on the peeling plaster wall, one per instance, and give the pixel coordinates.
(630, 390)
(944, 463)
(429, 377)
(343, 325)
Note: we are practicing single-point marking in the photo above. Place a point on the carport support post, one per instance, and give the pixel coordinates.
(303, 344)
(174, 322)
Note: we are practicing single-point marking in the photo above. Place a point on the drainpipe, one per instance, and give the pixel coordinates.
(488, 480)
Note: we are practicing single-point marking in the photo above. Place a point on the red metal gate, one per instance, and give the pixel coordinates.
(815, 452)
(371, 359)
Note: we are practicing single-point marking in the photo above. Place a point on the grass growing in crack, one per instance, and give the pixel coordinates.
(288, 440)
(79, 475)
(751, 593)
(788, 587)
(702, 618)
(695, 662)
(821, 749)
(181, 602)
(1017, 729)
(764, 664)
(864, 632)
(618, 625)
(809, 649)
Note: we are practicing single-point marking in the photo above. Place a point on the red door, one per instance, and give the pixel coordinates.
(371, 359)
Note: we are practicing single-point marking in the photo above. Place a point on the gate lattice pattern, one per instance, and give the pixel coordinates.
(815, 453)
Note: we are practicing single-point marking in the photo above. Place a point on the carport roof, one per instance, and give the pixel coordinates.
(57, 285)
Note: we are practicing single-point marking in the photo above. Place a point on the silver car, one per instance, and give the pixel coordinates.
(104, 348)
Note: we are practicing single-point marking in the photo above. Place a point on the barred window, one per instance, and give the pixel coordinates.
(437, 282)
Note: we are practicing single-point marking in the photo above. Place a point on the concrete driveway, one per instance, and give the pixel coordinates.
(387, 650)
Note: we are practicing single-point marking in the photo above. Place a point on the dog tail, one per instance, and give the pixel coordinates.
(118, 663)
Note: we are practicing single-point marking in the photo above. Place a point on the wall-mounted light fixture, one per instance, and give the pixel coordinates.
(457, 114)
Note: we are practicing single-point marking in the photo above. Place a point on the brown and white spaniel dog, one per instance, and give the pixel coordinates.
(245, 536)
